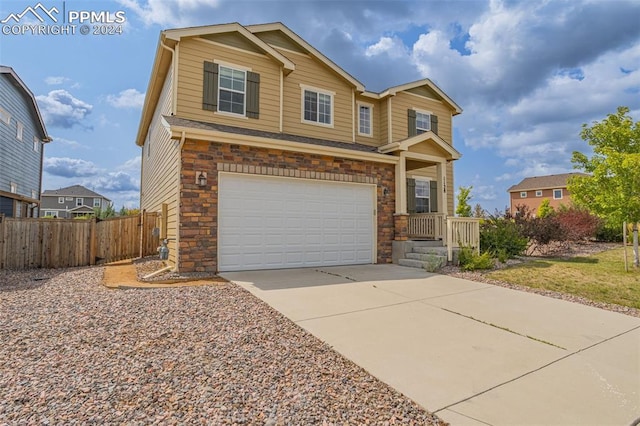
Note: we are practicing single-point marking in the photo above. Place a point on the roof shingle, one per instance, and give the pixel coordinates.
(544, 182)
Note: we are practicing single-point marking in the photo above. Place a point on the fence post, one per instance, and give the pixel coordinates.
(2, 226)
(93, 243)
(143, 231)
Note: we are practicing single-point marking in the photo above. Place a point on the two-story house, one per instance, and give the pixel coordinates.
(72, 201)
(532, 190)
(259, 152)
(22, 139)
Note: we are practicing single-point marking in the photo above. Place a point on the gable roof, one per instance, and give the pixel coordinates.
(412, 85)
(73, 191)
(544, 182)
(423, 137)
(18, 83)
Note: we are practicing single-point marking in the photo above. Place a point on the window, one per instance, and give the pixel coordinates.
(523, 194)
(34, 194)
(538, 193)
(231, 93)
(60, 200)
(36, 144)
(5, 117)
(50, 213)
(14, 188)
(79, 201)
(422, 196)
(19, 130)
(96, 202)
(317, 106)
(364, 119)
(557, 194)
(423, 122)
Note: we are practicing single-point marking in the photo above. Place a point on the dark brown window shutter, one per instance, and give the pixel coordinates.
(411, 115)
(253, 95)
(411, 196)
(434, 124)
(210, 87)
(433, 195)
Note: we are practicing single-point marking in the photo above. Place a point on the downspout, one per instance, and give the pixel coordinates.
(173, 76)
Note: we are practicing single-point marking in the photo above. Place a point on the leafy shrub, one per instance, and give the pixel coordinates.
(609, 234)
(545, 208)
(577, 224)
(470, 260)
(542, 230)
(501, 237)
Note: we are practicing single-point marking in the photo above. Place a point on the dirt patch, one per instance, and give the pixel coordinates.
(128, 275)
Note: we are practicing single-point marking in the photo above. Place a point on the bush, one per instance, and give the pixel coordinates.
(577, 224)
(501, 237)
(545, 208)
(609, 234)
(470, 260)
(541, 230)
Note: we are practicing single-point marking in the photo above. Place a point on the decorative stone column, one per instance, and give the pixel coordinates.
(401, 225)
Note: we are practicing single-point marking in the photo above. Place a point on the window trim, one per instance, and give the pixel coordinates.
(60, 200)
(13, 187)
(423, 112)
(561, 194)
(428, 185)
(36, 144)
(370, 107)
(19, 131)
(79, 200)
(523, 194)
(99, 202)
(304, 88)
(232, 67)
(539, 193)
(5, 117)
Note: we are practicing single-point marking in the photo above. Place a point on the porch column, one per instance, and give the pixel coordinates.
(401, 184)
(442, 187)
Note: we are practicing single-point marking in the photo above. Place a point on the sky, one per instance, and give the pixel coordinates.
(527, 74)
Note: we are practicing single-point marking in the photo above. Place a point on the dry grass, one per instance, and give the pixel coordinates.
(599, 277)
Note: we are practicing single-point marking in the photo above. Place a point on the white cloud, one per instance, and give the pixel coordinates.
(129, 98)
(70, 167)
(61, 109)
(68, 143)
(392, 46)
(172, 14)
(55, 81)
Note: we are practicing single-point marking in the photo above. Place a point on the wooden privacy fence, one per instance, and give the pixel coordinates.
(58, 243)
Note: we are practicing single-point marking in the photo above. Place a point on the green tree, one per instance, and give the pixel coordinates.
(544, 209)
(478, 211)
(104, 213)
(463, 208)
(612, 188)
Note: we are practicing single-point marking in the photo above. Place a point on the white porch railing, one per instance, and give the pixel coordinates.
(427, 225)
(453, 231)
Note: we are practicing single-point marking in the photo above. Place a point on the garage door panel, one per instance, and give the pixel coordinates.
(267, 222)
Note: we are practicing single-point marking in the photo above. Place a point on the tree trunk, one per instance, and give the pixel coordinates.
(636, 260)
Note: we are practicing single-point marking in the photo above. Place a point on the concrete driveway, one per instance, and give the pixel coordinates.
(472, 353)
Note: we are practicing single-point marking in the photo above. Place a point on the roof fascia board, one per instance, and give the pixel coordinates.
(423, 137)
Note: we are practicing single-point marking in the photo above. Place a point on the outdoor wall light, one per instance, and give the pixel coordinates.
(201, 178)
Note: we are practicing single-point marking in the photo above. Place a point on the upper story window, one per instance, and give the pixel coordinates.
(5, 117)
(421, 122)
(364, 119)
(96, 202)
(14, 188)
(523, 194)
(557, 194)
(36, 144)
(231, 89)
(19, 130)
(79, 201)
(317, 106)
(60, 200)
(538, 193)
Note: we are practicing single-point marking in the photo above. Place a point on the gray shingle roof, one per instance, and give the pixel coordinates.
(183, 122)
(544, 182)
(72, 191)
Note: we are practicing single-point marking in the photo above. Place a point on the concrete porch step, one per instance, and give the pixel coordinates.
(431, 250)
(430, 263)
(425, 257)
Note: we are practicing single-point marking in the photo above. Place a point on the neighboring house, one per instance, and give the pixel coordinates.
(532, 190)
(259, 152)
(70, 202)
(22, 139)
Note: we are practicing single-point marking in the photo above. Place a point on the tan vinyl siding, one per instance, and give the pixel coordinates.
(374, 139)
(233, 40)
(404, 101)
(161, 169)
(311, 72)
(192, 55)
(384, 122)
(279, 39)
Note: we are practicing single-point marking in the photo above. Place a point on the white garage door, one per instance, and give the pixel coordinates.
(269, 222)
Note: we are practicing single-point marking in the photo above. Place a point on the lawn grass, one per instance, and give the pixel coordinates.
(600, 277)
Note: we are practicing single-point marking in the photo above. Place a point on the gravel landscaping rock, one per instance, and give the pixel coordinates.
(74, 352)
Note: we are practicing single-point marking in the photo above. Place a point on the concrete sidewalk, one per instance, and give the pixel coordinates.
(472, 353)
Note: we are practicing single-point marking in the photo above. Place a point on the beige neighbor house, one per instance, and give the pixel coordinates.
(531, 191)
(259, 152)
